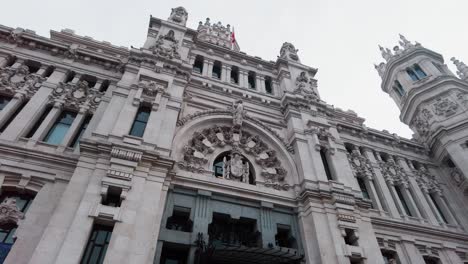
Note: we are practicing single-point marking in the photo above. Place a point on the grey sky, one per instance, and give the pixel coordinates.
(339, 38)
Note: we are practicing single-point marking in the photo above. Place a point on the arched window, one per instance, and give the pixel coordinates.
(234, 166)
(235, 75)
(198, 64)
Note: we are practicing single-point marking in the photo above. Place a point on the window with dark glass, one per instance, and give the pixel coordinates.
(97, 245)
(180, 220)
(48, 72)
(398, 88)
(104, 85)
(351, 238)
(69, 77)
(268, 85)
(326, 165)
(251, 79)
(235, 74)
(389, 256)
(437, 206)
(141, 119)
(284, 238)
(76, 139)
(11, 61)
(60, 128)
(198, 64)
(39, 122)
(216, 70)
(33, 66)
(415, 72)
(363, 187)
(431, 260)
(173, 253)
(403, 201)
(4, 101)
(13, 116)
(91, 80)
(23, 201)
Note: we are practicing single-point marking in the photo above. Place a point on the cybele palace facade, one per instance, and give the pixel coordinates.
(189, 151)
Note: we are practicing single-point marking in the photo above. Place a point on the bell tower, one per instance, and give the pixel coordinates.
(433, 102)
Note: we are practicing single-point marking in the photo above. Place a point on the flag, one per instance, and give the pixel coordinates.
(233, 38)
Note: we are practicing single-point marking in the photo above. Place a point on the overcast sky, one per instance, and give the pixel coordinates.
(339, 38)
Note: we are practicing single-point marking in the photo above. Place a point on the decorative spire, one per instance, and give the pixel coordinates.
(386, 53)
(462, 69)
(406, 44)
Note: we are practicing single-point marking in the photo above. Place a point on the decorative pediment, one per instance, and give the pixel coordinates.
(9, 213)
(77, 96)
(13, 80)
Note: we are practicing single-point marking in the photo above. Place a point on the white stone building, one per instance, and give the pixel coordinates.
(188, 150)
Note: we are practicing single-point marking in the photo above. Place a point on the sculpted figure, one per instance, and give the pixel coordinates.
(179, 15)
(238, 115)
(288, 51)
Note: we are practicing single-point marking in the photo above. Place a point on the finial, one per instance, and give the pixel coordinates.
(462, 69)
(386, 53)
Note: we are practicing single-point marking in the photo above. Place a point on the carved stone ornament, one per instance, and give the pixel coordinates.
(456, 175)
(77, 96)
(445, 107)
(405, 46)
(9, 213)
(166, 46)
(202, 144)
(178, 15)
(238, 114)
(13, 80)
(392, 172)
(306, 87)
(463, 98)
(426, 181)
(422, 126)
(236, 168)
(381, 68)
(360, 165)
(289, 52)
(151, 88)
(217, 34)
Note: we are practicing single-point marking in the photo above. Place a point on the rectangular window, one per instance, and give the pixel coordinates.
(235, 75)
(39, 122)
(4, 101)
(60, 128)
(326, 165)
(398, 88)
(198, 64)
(76, 140)
(402, 200)
(141, 119)
(268, 85)
(412, 74)
(421, 74)
(251, 78)
(362, 186)
(216, 70)
(441, 213)
(97, 245)
(13, 116)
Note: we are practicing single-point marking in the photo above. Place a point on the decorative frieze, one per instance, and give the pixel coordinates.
(126, 154)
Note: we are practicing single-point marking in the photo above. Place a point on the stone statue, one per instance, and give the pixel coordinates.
(179, 15)
(288, 51)
(238, 114)
(302, 80)
(386, 53)
(236, 168)
(9, 213)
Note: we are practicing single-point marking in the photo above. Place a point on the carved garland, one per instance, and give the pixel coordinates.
(204, 142)
(184, 120)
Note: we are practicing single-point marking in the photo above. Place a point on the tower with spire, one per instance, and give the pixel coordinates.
(432, 100)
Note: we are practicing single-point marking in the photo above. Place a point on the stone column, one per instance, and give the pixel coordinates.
(413, 254)
(383, 188)
(445, 208)
(210, 69)
(396, 198)
(64, 214)
(3, 61)
(373, 193)
(228, 74)
(266, 224)
(223, 73)
(42, 70)
(433, 208)
(205, 71)
(246, 79)
(410, 201)
(10, 109)
(242, 79)
(258, 83)
(48, 122)
(202, 217)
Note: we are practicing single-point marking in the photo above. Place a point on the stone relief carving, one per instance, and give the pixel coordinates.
(288, 51)
(425, 180)
(421, 125)
(202, 144)
(9, 213)
(13, 80)
(445, 107)
(184, 120)
(166, 46)
(392, 172)
(77, 95)
(179, 15)
(151, 88)
(305, 86)
(456, 175)
(463, 98)
(360, 165)
(236, 168)
(238, 114)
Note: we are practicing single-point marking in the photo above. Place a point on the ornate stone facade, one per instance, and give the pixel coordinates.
(187, 150)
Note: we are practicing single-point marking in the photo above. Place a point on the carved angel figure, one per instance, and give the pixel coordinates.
(238, 114)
